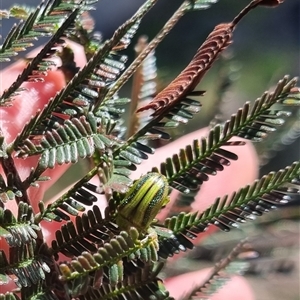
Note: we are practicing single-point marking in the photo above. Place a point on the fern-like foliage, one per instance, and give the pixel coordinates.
(173, 103)
(50, 17)
(8, 190)
(39, 65)
(263, 195)
(119, 253)
(188, 169)
(89, 231)
(21, 231)
(142, 284)
(186, 6)
(116, 259)
(70, 203)
(24, 264)
(143, 87)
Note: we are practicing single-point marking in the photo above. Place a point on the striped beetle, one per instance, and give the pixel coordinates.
(143, 201)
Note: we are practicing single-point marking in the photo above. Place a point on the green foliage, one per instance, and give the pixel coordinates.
(201, 155)
(264, 195)
(120, 252)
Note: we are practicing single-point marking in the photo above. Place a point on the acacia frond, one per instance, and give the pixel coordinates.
(143, 284)
(83, 192)
(217, 41)
(88, 233)
(63, 103)
(265, 194)
(81, 92)
(20, 231)
(188, 79)
(172, 103)
(135, 151)
(24, 264)
(83, 121)
(43, 21)
(70, 203)
(77, 137)
(188, 169)
(114, 172)
(115, 259)
(186, 6)
(40, 64)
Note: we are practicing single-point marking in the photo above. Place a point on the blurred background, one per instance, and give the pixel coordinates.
(265, 48)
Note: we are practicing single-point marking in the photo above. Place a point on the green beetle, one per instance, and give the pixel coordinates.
(142, 202)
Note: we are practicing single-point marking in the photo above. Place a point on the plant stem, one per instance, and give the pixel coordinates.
(152, 45)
